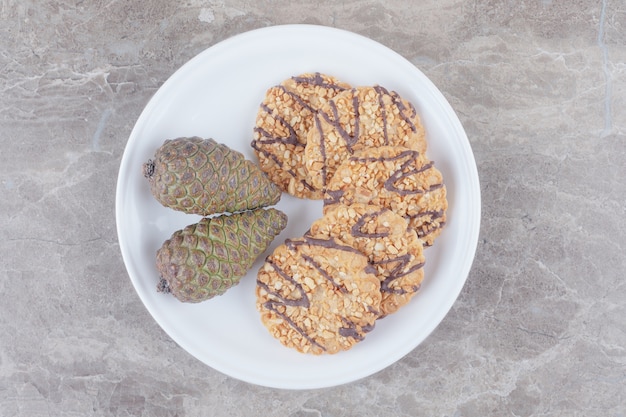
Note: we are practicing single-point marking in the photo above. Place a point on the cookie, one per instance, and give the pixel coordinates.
(358, 118)
(386, 240)
(317, 295)
(283, 121)
(397, 178)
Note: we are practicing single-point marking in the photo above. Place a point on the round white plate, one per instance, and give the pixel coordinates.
(217, 94)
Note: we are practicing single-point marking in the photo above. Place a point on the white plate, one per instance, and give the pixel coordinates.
(217, 94)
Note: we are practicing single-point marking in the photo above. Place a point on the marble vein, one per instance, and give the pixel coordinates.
(608, 117)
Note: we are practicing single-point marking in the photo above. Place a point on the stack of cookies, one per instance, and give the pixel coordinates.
(362, 150)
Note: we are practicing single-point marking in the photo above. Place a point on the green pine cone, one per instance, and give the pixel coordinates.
(207, 258)
(201, 176)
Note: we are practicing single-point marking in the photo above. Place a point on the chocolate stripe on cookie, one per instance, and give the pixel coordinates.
(357, 227)
(318, 81)
(398, 272)
(294, 326)
(434, 214)
(278, 161)
(399, 174)
(397, 101)
(351, 139)
(325, 243)
(427, 229)
(383, 112)
(330, 243)
(260, 145)
(292, 139)
(297, 98)
(283, 121)
(322, 145)
(323, 273)
(413, 154)
(267, 153)
(334, 121)
(333, 197)
(290, 300)
(350, 329)
(271, 305)
(430, 224)
(303, 301)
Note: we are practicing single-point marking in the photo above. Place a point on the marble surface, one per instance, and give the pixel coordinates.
(538, 330)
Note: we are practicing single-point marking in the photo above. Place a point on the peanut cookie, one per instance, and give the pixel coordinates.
(397, 178)
(361, 117)
(317, 295)
(282, 124)
(387, 241)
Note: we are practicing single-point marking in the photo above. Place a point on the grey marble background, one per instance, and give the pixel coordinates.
(539, 329)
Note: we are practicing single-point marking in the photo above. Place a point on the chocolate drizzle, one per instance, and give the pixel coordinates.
(383, 112)
(271, 156)
(268, 139)
(402, 263)
(356, 229)
(323, 273)
(351, 329)
(402, 173)
(322, 145)
(303, 301)
(430, 223)
(412, 154)
(404, 110)
(292, 139)
(399, 271)
(333, 197)
(433, 214)
(357, 117)
(317, 80)
(432, 227)
(325, 243)
(333, 119)
(331, 116)
(273, 305)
